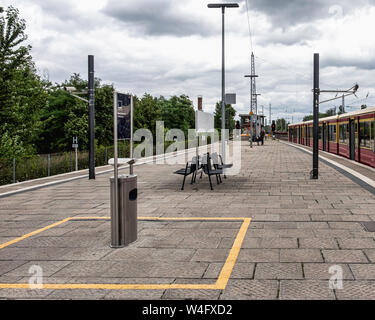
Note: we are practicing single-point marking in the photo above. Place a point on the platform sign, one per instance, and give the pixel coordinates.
(204, 122)
(230, 98)
(124, 116)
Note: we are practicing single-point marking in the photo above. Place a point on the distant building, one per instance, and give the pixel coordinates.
(245, 124)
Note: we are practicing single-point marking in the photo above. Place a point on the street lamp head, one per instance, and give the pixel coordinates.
(223, 5)
(70, 89)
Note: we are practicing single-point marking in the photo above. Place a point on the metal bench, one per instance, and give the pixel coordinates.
(191, 168)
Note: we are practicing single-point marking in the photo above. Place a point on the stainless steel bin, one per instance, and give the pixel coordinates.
(124, 221)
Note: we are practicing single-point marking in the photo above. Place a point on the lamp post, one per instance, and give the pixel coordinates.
(223, 6)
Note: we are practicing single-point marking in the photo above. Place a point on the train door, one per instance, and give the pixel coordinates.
(352, 139)
(324, 136)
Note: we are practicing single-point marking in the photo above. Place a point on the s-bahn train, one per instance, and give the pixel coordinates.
(351, 135)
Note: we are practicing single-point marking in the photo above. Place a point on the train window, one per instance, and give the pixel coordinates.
(343, 133)
(332, 132)
(364, 134)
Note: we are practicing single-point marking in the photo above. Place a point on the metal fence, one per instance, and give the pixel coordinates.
(45, 165)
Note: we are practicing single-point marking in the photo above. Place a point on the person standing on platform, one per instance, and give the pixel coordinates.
(262, 134)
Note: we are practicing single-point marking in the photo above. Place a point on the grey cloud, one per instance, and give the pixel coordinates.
(59, 9)
(158, 17)
(285, 13)
(299, 35)
(367, 63)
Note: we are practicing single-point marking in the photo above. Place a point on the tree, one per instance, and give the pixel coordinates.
(341, 110)
(363, 106)
(217, 116)
(281, 125)
(64, 117)
(177, 113)
(146, 112)
(22, 93)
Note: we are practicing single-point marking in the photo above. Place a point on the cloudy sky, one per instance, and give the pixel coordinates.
(173, 47)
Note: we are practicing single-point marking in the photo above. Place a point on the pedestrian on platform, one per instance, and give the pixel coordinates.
(262, 134)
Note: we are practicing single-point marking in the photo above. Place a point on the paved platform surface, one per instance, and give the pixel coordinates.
(299, 229)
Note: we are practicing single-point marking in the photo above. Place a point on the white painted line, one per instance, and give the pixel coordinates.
(365, 179)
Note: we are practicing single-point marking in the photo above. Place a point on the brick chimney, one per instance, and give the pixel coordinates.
(200, 102)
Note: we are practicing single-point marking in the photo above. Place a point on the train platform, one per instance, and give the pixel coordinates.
(268, 232)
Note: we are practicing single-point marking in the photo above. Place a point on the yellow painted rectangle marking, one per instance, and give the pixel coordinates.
(220, 284)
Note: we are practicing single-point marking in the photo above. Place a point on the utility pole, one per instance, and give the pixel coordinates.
(91, 98)
(223, 6)
(315, 172)
(253, 98)
(343, 103)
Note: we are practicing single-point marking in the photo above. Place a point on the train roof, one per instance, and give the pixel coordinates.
(344, 115)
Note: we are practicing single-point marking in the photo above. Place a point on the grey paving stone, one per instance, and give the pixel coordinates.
(48, 268)
(211, 255)
(6, 266)
(84, 269)
(81, 294)
(363, 271)
(133, 294)
(300, 255)
(259, 255)
(365, 243)
(24, 293)
(321, 271)
(317, 243)
(357, 290)
(344, 256)
(305, 290)
(277, 271)
(150, 254)
(21, 254)
(250, 290)
(370, 253)
(200, 243)
(241, 270)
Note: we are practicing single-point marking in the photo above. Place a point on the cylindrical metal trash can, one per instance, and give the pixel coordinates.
(124, 221)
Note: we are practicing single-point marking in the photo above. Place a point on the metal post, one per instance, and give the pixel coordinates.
(315, 171)
(76, 159)
(48, 165)
(131, 133)
(115, 221)
(106, 155)
(14, 170)
(71, 162)
(91, 119)
(223, 136)
(343, 103)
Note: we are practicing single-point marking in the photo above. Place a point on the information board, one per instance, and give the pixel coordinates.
(124, 111)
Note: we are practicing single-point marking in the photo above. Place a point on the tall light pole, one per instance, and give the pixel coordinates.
(91, 98)
(223, 6)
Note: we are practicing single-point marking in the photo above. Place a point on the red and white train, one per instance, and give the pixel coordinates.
(351, 135)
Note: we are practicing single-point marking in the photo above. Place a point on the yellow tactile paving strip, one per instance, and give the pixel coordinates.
(220, 284)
